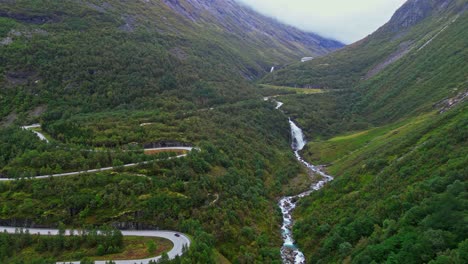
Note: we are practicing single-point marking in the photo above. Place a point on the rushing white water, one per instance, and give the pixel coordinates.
(298, 141)
(272, 69)
(278, 105)
(289, 252)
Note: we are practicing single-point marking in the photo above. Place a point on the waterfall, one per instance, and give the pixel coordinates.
(279, 105)
(298, 141)
(289, 252)
(272, 69)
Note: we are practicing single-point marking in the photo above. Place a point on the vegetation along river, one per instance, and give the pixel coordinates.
(289, 252)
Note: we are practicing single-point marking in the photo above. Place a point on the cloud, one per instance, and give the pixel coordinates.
(344, 20)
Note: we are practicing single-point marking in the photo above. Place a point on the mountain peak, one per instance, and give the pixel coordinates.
(233, 17)
(414, 11)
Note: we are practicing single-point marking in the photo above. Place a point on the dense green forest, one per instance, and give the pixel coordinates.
(394, 138)
(92, 83)
(105, 78)
(399, 194)
(17, 248)
(175, 194)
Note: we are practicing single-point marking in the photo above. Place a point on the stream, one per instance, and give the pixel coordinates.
(289, 252)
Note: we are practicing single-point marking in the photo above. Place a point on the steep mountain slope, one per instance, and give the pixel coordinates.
(365, 58)
(104, 78)
(241, 21)
(399, 159)
(415, 61)
(399, 196)
(90, 48)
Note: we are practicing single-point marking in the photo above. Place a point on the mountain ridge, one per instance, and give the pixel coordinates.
(182, 52)
(394, 138)
(417, 48)
(224, 10)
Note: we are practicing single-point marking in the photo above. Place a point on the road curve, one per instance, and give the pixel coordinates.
(106, 168)
(178, 241)
(38, 134)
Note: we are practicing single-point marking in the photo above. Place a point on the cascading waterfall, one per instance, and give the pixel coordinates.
(289, 252)
(298, 141)
(279, 105)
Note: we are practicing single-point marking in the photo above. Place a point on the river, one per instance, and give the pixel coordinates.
(290, 253)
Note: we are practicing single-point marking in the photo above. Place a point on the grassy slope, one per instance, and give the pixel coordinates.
(98, 82)
(427, 75)
(103, 56)
(430, 72)
(399, 193)
(400, 190)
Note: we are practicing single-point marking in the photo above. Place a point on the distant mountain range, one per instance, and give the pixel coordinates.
(165, 45)
(423, 38)
(392, 127)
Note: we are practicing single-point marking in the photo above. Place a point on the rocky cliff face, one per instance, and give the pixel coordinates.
(232, 17)
(414, 11)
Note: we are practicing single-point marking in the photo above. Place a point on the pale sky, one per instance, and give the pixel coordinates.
(344, 20)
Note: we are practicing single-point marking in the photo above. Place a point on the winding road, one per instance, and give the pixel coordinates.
(180, 241)
(42, 137)
(38, 134)
(108, 168)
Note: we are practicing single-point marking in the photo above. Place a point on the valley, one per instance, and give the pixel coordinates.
(193, 116)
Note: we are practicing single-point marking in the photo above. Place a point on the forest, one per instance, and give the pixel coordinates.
(104, 80)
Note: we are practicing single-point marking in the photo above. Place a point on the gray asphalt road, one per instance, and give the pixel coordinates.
(38, 134)
(106, 168)
(178, 241)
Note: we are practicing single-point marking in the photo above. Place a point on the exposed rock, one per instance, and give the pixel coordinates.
(37, 111)
(449, 103)
(232, 17)
(129, 25)
(166, 144)
(404, 48)
(8, 120)
(24, 223)
(15, 34)
(133, 226)
(28, 33)
(414, 11)
(289, 255)
(6, 41)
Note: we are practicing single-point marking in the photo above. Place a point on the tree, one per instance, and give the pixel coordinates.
(151, 246)
(164, 258)
(101, 250)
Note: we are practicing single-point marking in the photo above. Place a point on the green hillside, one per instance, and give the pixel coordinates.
(394, 136)
(92, 55)
(104, 78)
(399, 195)
(387, 116)
(397, 71)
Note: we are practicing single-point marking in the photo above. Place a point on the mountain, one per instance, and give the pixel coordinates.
(243, 22)
(77, 48)
(426, 39)
(103, 79)
(391, 127)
